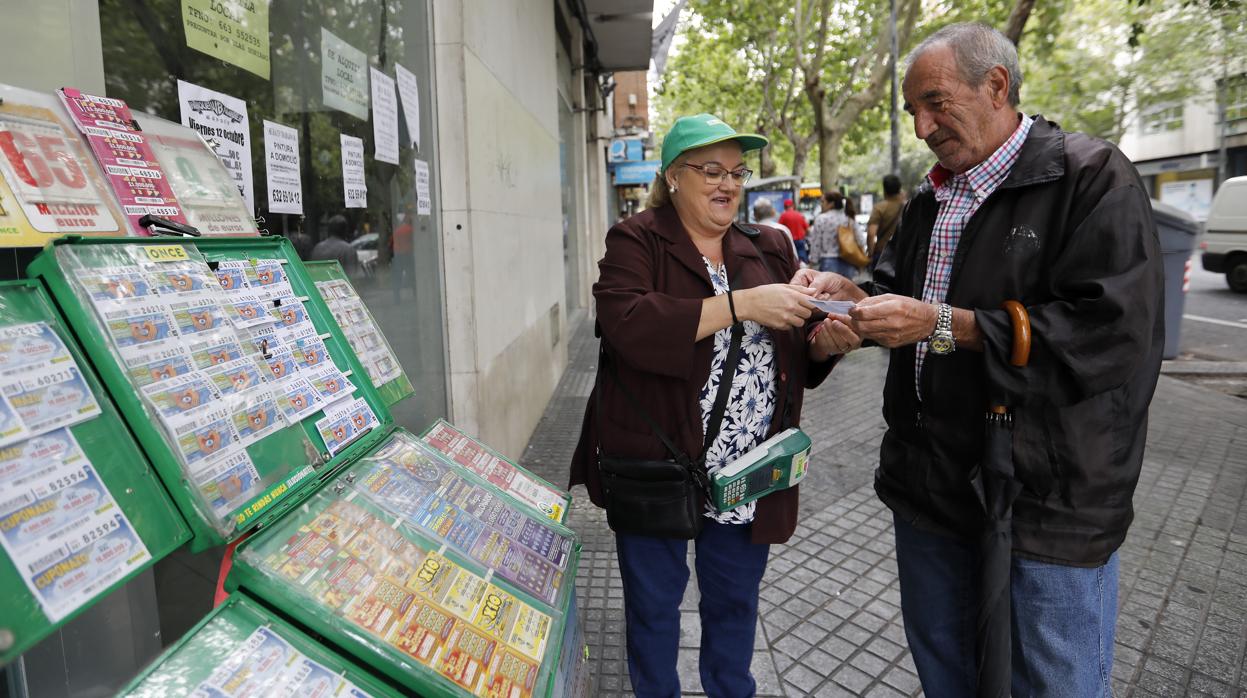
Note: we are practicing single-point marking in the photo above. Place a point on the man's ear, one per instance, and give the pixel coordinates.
(998, 86)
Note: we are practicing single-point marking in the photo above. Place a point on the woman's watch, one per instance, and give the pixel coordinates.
(941, 340)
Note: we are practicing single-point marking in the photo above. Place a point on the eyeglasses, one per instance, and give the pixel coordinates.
(714, 174)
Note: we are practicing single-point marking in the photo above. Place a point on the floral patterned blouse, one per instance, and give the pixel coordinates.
(750, 404)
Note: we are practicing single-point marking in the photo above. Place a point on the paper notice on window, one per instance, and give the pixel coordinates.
(222, 121)
(281, 168)
(409, 90)
(354, 187)
(424, 202)
(344, 75)
(384, 117)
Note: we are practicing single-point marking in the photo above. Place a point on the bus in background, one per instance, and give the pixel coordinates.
(773, 189)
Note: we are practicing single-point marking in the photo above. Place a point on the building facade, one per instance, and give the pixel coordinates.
(1184, 148)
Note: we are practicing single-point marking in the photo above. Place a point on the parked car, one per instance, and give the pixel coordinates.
(1224, 242)
(366, 246)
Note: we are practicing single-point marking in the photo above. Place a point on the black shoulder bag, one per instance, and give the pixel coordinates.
(661, 498)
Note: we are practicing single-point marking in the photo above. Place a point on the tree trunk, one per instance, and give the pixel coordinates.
(829, 167)
(1017, 20)
(799, 157)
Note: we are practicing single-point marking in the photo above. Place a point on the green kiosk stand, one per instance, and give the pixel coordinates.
(270, 428)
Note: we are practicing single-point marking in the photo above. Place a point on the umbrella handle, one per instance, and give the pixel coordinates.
(1021, 333)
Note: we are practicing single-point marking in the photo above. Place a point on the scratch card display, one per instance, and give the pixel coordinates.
(407, 478)
(496, 470)
(351, 560)
(60, 525)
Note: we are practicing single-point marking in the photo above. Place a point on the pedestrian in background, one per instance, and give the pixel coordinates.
(676, 280)
(883, 218)
(764, 214)
(1016, 209)
(337, 246)
(825, 235)
(795, 221)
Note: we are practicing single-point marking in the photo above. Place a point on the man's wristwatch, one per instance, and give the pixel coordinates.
(941, 340)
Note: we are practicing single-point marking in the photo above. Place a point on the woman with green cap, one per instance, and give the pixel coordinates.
(681, 287)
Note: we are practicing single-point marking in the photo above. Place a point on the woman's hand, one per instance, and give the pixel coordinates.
(828, 285)
(777, 306)
(833, 336)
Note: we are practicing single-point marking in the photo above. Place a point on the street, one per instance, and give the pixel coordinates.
(1214, 325)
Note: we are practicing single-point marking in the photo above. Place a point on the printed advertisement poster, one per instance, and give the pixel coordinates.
(47, 183)
(424, 202)
(281, 167)
(209, 197)
(126, 157)
(409, 90)
(235, 32)
(344, 75)
(222, 121)
(355, 189)
(384, 117)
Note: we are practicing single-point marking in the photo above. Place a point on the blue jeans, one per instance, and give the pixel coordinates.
(655, 573)
(837, 265)
(803, 249)
(1064, 619)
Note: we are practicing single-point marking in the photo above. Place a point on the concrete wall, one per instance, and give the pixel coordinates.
(501, 217)
(26, 30)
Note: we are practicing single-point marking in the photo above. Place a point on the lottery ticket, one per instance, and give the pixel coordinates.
(343, 423)
(251, 309)
(229, 481)
(235, 376)
(50, 397)
(255, 668)
(30, 344)
(37, 456)
(181, 394)
(255, 414)
(181, 279)
(137, 323)
(213, 348)
(203, 435)
(297, 398)
(117, 284)
(197, 314)
(234, 275)
(329, 382)
(151, 363)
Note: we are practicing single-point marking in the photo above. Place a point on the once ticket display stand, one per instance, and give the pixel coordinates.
(243, 390)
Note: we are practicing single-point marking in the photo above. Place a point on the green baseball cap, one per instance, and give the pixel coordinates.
(690, 132)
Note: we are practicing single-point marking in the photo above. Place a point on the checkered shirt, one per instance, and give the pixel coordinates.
(959, 196)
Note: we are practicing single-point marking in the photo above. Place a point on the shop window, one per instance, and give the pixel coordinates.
(308, 66)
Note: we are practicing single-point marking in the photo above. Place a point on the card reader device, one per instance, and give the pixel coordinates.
(775, 464)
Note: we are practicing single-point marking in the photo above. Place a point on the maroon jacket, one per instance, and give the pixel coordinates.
(649, 298)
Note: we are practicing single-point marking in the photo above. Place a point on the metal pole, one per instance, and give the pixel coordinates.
(895, 117)
(1222, 92)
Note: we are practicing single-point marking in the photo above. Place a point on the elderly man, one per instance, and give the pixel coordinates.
(1015, 209)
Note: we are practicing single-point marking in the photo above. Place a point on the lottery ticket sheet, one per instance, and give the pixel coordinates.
(223, 355)
(498, 471)
(59, 524)
(361, 330)
(241, 652)
(349, 562)
(41, 387)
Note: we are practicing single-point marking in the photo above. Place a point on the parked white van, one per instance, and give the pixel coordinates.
(1224, 243)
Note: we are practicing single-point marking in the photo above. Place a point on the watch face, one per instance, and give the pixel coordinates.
(942, 345)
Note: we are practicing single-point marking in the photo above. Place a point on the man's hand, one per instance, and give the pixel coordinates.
(777, 306)
(893, 320)
(833, 336)
(828, 285)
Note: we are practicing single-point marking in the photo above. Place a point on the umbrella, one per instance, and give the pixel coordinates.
(996, 487)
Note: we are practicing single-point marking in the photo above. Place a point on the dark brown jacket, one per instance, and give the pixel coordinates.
(649, 298)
